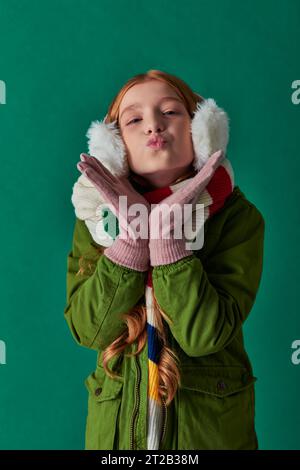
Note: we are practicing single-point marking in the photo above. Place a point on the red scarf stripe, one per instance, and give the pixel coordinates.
(149, 277)
(219, 188)
(155, 196)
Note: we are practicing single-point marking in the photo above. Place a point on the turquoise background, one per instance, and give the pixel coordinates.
(63, 62)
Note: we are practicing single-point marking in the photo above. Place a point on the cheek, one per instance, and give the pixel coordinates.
(183, 128)
(183, 135)
(133, 153)
(126, 141)
(129, 139)
(184, 142)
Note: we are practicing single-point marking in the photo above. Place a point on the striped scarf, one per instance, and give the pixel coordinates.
(213, 198)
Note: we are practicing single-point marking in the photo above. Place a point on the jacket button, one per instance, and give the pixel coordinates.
(98, 391)
(221, 385)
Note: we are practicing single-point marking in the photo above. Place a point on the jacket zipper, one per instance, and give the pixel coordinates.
(165, 409)
(135, 412)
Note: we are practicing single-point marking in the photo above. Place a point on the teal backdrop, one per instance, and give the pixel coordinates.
(61, 64)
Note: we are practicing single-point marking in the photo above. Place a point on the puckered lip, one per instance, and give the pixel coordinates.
(156, 140)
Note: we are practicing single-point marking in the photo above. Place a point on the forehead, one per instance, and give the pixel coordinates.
(143, 94)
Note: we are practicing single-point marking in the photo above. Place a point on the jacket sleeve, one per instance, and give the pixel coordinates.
(207, 302)
(98, 291)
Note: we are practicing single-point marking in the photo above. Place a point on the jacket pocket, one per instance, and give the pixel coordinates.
(104, 400)
(216, 408)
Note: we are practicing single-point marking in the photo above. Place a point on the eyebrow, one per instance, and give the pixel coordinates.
(137, 105)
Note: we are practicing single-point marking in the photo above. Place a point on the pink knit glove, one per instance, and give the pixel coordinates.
(164, 248)
(128, 249)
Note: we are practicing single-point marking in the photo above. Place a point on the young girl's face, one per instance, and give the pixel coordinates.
(155, 115)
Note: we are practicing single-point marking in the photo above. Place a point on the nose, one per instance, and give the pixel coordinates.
(153, 124)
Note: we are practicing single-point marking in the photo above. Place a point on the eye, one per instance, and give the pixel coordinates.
(135, 119)
(130, 122)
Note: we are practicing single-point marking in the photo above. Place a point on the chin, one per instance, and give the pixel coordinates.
(155, 168)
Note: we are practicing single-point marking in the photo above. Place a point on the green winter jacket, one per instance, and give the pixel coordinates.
(208, 297)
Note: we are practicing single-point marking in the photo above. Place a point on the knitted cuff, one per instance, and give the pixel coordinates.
(167, 251)
(133, 254)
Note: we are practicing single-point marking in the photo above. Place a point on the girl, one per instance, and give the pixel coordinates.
(164, 313)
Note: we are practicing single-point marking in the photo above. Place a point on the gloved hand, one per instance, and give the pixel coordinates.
(128, 249)
(164, 248)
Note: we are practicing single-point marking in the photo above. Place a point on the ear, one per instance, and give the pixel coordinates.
(106, 144)
(210, 131)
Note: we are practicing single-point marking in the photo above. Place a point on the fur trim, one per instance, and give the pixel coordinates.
(106, 144)
(210, 131)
